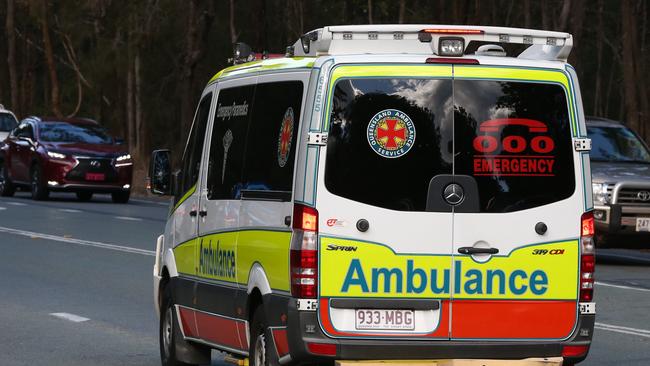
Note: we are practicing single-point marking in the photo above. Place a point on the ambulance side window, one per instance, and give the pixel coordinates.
(271, 143)
(192, 154)
(228, 142)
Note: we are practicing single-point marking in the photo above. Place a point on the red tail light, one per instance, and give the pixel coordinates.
(574, 351)
(304, 252)
(588, 257)
(325, 349)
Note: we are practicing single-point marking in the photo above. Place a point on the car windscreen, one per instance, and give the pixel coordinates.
(7, 122)
(74, 133)
(616, 144)
(389, 137)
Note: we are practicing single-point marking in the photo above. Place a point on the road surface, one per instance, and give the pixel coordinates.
(75, 288)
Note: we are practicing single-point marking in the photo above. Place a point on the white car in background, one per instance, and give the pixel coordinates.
(7, 122)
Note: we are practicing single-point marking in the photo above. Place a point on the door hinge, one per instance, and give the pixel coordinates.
(317, 138)
(582, 144)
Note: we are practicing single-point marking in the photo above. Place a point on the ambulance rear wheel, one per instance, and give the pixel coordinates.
(262, 350)
(174, 350)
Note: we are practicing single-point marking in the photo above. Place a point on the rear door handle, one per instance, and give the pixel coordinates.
(203, 213)
(474, 250)
(193, 213)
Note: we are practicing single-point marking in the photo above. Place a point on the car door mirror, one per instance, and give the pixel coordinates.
(160, 173)
(26, 139)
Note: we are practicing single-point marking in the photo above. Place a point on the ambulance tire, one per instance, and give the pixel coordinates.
(261, 349)
(174, 350)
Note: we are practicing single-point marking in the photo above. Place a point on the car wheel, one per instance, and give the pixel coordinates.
(121, 197)
(84, 196)
(261, 349)
(171, 338)
(7, 189)
(39, 190)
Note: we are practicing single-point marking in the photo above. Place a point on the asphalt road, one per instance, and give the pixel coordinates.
(75, 288)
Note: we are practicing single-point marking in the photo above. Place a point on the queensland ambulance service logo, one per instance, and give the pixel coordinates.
(285, 137)
(391, 133)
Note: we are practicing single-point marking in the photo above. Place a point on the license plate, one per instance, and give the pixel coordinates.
(384, 319)
(95, 176)
(643, 224)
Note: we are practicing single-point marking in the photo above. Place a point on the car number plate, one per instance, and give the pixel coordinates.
(384, 319)
(643, 224)
(95, 176)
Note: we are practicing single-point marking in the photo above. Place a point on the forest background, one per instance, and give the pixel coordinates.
(138, 67)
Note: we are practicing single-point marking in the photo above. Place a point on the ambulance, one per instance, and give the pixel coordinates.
(382, 192)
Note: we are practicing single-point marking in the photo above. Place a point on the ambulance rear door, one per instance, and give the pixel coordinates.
(385, 238)
(516, 239)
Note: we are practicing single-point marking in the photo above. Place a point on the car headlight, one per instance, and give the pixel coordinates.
(600, 193)
(123, 160)
(56, 155)
(123, 157)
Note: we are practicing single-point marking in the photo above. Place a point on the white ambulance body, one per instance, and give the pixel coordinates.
(384, 192)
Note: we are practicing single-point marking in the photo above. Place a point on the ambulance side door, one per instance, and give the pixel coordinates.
(218, 320)
(185, 214)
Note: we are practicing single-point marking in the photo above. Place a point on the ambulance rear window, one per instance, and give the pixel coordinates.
(389, 137)
(514, 139)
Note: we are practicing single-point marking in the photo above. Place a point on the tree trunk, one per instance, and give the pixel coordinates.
(369, 11)
(140, 133)
(55, 96)
(199, 21)
(233, 31)
(11, 58)
(630, 77)
(598, 110)
(527, 23)
(402, 11)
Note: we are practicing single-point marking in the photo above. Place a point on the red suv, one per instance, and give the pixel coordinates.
(64, 154)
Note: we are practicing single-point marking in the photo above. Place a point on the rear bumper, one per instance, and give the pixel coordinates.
(300, 324)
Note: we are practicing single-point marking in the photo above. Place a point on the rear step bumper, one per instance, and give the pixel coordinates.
(358, 349)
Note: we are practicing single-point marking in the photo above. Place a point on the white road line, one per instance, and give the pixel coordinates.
(624, 330)
(70, 317)
(2, 208)
(127, 218)
(87, 243)
(622, 287)
(72, 210)
(16, 203)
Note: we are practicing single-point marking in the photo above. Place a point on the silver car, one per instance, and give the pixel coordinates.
(620, 168)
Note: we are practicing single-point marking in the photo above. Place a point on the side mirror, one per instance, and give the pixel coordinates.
(160, 173)
(27, 140)
(119, 141)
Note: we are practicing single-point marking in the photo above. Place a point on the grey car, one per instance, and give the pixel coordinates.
(620, 169)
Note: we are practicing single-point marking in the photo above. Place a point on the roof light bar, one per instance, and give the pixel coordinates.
(425, 39)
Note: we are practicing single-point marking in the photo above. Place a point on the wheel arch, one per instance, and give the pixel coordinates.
(258, 287)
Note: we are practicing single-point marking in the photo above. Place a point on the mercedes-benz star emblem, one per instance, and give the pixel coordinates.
(95, 163)
(453, 194)
(643, 196)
